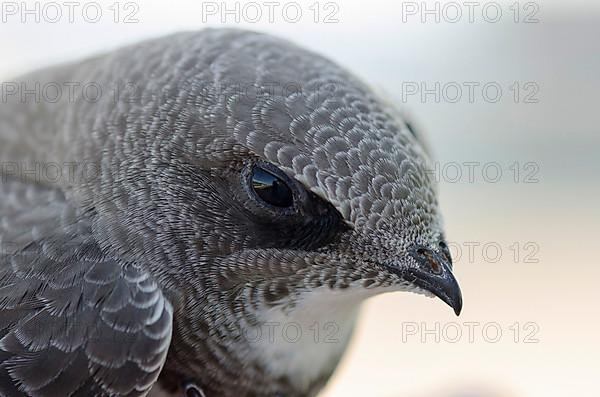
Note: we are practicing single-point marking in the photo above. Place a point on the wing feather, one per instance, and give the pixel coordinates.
(73, 320)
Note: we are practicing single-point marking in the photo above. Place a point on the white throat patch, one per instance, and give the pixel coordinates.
(306, 341)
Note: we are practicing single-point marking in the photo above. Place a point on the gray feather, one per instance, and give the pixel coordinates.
(158, 229)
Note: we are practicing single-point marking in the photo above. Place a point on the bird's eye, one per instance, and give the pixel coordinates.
(191, 390)
(271, 189)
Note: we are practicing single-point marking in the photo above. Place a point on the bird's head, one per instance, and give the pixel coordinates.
(269, 166)
(366, 227)
(252, 173)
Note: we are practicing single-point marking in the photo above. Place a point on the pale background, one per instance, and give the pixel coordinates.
(559, 213)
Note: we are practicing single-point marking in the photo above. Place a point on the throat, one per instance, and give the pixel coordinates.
(303, 340)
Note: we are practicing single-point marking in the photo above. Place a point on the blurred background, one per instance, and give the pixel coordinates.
(506, 93)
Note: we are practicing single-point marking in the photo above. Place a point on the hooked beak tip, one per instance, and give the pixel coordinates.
(457, 306)
(435, 275)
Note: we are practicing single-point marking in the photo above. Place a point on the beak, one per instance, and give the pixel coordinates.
(434, 274)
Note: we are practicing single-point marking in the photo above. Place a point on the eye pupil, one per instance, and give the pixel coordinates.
(191, 390)
(271, 189)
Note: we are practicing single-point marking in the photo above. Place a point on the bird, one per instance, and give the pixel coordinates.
(202, 214)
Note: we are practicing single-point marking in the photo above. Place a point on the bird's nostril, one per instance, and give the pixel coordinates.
(430, 259)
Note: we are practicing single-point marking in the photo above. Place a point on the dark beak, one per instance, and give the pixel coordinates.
(434, 274)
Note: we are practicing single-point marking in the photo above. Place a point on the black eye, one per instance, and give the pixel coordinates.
(191, 390)
(271, 189)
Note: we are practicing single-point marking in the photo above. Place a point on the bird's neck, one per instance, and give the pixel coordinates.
(289, 347)
(303, 340)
